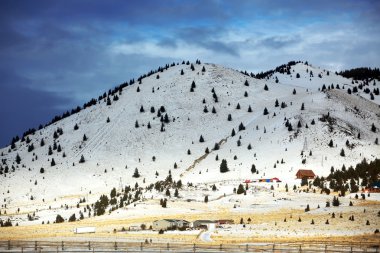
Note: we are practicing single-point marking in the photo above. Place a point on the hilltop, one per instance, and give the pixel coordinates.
(177, 124)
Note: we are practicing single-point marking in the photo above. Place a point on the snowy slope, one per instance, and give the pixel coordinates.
(115, 149)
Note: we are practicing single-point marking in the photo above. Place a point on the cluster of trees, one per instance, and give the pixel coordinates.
(361, 73)
(348, 179)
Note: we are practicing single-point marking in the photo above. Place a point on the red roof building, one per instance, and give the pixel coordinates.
(309, 174)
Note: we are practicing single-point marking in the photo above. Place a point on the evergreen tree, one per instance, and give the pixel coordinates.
(136, 174)
(331, 144)
(52, 162)
(142, 109)
(203, 69)
(233, 132)
(241, 126)
(76, 127)
(18, 158)
(82, 160)
(136, 124)
(84, 137)
(294, 92)
(276, 103)
(42, 143)
(238, 106)
(253, 169)
(246, 83)
(108, 120)
(373, 128)
(223, 166)
(206, 199)
(302, 107)
(201, 139)
(240, 189)
(266, 111)
(188, 152)
(229, 117)
(59, 219)
(266, 87)
(342, 152)
(213, 110)
(249, 109)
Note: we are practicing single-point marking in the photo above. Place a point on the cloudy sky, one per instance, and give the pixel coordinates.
(55, 55)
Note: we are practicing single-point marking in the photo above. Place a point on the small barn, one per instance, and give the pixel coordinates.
(169, 224)
(309, 174)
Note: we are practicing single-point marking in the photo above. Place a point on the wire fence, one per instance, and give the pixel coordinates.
(107, 246)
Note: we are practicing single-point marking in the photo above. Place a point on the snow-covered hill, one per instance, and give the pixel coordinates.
(115, 148)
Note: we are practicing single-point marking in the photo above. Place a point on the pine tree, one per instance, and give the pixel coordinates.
(233, 132)
(175, 166)
(188, 152)
(294, 92)
(253, 169)
(52, 162)
(82, 160)
(136, 124)
(42, 143)
(205, 110)
(245, 94)
(249, 109)
(182, 73)
(229, 117)
(203, 69)
(206, 199)
(246, 83)
(240, 189)
(108, 120)
(18, 158)
(136, 174)
(76, 127)
(342, 152)
(213, 110)
(276, 103)
(201, 139)
(84, 137)
(238, 106)
(266, 111)
(373, 128)
(266, 87)
(223, 166)
(249, 146)
(302, 107)
(241, 126)
(331, 144)
(142, 109)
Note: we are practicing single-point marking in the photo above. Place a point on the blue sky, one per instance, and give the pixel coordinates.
(55, 55)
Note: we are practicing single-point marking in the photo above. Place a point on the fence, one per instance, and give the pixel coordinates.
(99, 246)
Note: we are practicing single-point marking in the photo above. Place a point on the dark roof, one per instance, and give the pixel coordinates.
(205, 221)
(306, 173)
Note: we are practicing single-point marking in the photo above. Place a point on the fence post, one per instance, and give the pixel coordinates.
(89, 245)
(273, 246)
(221, 247)
(246, 247)
(168, 246)
(35, 245)
(300, 248)
(63, 247)
(141, 246)
(115, 245)
(9, 244)
(194, 247)
(325, 248)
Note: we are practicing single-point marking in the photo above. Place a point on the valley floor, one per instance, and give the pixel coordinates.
(266, 216)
